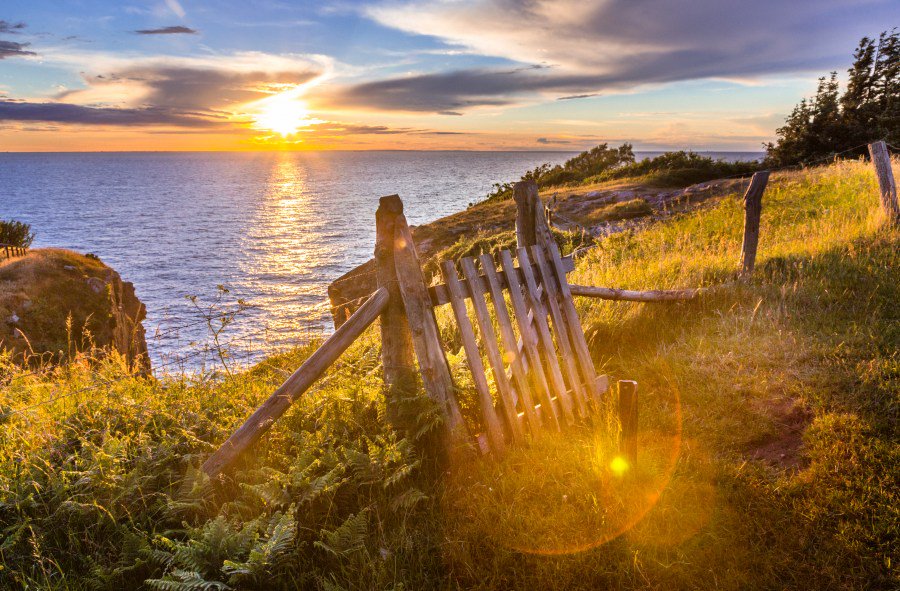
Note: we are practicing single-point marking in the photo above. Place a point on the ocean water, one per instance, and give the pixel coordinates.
(273, 228)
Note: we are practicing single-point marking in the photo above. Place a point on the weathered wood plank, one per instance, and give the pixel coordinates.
(609, 293)
(397, 354)
(575, 329)
(548, 347)
(489, 339)
(425, 335)
(440, 296)
(492, 425)
(514, 356)
(548, 279)
(531, 222)
(752, 212)
(529, 337)
(278, 403)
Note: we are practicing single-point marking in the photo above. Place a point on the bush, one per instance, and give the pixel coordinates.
(16, 233)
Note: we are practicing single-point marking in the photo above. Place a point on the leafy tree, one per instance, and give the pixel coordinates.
(830, 123)
(16, 233)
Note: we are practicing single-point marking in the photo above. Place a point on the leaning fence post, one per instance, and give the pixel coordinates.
(752, 212)
(887, 187)
(531, 221)
(397, 356)
(628, 419)
(426, 337)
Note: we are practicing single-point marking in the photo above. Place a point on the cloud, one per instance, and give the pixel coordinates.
(196, 92)
(548, 141)
(68, 113)
(206, 84)
(8, 27)
(174, 30)
(585, 48)
(13, 49)
(175, 7)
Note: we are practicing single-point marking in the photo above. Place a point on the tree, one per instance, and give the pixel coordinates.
(829, 123)
(16, 233)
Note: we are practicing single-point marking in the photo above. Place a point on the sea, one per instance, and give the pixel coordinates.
(254, 238)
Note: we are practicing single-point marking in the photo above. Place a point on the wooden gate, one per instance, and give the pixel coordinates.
(540, 363)
(529, 330)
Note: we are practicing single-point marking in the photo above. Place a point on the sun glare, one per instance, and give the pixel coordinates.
(283, 113)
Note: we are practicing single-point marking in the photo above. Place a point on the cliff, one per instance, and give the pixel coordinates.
(56, 302)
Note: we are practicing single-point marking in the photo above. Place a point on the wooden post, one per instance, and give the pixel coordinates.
(426, 337)
(278, 403)
(628, 418)
(886, 185)
(397, 355)
(531, 223)
(752, 212)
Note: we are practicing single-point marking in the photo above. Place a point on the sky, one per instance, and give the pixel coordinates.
(719, 75)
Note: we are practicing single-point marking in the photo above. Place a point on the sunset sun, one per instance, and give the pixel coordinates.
(283, 113)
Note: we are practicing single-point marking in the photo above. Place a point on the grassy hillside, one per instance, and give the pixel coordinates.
(768, 450)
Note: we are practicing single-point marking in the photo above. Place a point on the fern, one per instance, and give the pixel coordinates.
(348, 538)
(181, 580)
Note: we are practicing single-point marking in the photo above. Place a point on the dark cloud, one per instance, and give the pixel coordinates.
(548, 141)
(463, 89)
(174, 30)
(577, 96)
(13, 49)
(8, 27)
(65, 113)
(182, 87)
(581, 49)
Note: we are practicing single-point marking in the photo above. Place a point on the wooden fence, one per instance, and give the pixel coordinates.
(549, 360)
(11, 250)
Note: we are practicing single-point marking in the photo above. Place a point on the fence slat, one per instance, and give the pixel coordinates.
(562, 330)
(529, 338)
(575, 329)
(425, 334)
(473, 359)
(276, 405)
(489, 338)
(543, 331)
(515, 357)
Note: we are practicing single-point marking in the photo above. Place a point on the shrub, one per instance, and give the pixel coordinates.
(16, 233)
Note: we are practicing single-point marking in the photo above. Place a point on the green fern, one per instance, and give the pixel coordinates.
(350, 537)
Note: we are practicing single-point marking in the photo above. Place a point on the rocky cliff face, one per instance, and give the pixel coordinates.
(55, 302)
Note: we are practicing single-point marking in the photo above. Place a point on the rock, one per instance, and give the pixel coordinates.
(41, 293)
(593, 194)
(96, 284)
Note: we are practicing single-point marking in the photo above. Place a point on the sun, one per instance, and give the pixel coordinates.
(282, 113)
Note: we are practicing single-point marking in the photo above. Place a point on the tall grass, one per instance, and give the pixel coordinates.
(767, 458)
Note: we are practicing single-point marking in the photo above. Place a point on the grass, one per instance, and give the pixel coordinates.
(624, 210)
(768, 447)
